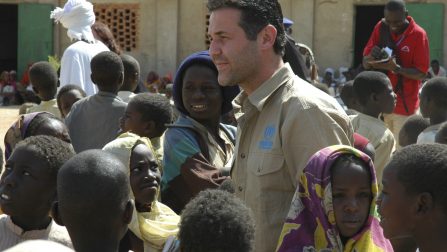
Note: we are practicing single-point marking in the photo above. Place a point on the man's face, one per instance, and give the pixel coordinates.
(235, 57)
(435, 66)
(396, 20)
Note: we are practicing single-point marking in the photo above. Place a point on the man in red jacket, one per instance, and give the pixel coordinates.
(407, 65)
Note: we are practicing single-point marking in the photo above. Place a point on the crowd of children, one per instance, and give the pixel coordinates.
(120, 171)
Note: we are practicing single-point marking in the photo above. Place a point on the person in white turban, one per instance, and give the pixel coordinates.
(78, 16)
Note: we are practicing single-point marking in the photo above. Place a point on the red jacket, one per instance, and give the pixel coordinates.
(413, 52)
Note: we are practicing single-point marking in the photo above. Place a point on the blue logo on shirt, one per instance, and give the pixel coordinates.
(267, 142)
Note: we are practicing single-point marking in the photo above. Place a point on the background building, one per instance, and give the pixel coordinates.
(160, 33)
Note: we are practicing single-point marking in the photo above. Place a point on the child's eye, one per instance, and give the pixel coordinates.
(136, 169)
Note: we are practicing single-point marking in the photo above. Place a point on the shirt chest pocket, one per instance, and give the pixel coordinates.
(265, 163)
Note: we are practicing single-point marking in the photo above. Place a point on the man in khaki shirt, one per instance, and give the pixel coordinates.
(282, 120)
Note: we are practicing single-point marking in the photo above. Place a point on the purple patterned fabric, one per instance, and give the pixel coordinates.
(310, 224)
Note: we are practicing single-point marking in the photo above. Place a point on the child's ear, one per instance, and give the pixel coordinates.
(127, 217)
(92, 76)
(373, 97)
(55, 213)
(150, 128)
(424, 203)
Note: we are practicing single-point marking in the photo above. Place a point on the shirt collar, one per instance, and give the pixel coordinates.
(32, 233)
(260, 96)
(108, 94)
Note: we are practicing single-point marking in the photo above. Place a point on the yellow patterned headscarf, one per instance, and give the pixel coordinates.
(161, 223)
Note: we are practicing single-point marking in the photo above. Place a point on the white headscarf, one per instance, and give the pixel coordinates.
(78, 17)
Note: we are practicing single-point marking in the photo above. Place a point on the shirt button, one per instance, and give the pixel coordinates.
(242, 155)
(240, 188)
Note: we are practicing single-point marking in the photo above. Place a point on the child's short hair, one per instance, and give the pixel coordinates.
(1, 160)
(347, 93)
(92, 187)
(44, 76)
(107, 69)
(216, 220)
(38, 121)
(67, 88)
(367, 83)
(153, 107)
(441, 135)
(435, 90)
(131, 66)
(422, 168)
(411, 129)
(51, 149)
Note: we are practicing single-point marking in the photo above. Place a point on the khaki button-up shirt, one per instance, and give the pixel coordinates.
(379, 136)
(280, 126)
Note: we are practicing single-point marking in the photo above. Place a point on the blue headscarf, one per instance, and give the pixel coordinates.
(203, 58)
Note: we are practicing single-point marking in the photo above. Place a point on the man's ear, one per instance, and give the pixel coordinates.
(267, 37)
(55, 213)
(127, 216)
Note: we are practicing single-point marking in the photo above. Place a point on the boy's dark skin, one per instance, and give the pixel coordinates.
(131, 73)
(45, 87)
(29, 213)
(99, 223)
(429, 109)
(380, 102)
(102, 75)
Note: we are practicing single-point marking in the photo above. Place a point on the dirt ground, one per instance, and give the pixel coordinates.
(7, 116)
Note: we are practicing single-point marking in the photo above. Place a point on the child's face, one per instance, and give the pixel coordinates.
(387, 99)
(27, 187)
(352, 196)
(132, 121)
(393, 206)
(201, 93)
(67, 100)
(144, 175)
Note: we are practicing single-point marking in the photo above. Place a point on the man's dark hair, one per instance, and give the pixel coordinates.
(255, 15)
(51, 149)
(131, 67)
(93, 189)
(435, 61)
(395, 5)
(435, 90)
(1, 159)
(216, 220)
(412, 127)
(347, 93)
(44, 76)
(153, 107)
(367, 83)
(422, 168)
(107, 67)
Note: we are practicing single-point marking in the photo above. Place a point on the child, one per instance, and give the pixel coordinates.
(131, 77)
(433, 106)
(93, 201)
(413, 202)
(153, 223)
(147, 115)
(94, 121)
(39, 123)
(441, 135)
(333, 208)
(375, 96)
(67, 96)
(411, 129)
(28, 189)
(43, 77)
(215, 220)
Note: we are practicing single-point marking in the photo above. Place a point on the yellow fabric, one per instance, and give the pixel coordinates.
(46, 106)
(154, 227)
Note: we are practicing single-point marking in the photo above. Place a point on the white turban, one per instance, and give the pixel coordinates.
(78, 17)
